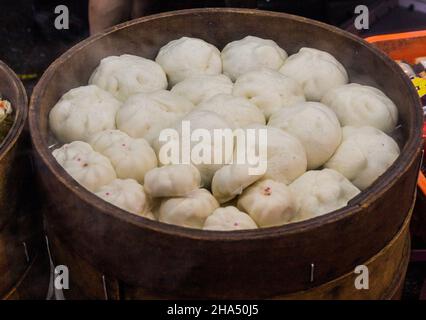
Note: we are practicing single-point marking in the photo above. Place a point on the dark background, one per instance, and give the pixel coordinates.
(29, 41)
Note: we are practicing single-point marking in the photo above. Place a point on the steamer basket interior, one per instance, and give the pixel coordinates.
(364, 63)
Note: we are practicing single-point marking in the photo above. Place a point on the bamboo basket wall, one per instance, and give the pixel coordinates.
(112, 254)
(21, 247)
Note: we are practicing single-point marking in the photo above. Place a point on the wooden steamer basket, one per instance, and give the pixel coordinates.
(24, 270)
(113, 254)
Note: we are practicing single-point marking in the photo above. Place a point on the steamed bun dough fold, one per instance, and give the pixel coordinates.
(89, 168)
(189, 211)
(127, 195)
(82, 112)
(357, 105)
(315, 125)
(126, 75)
(318, 192)
(269, 90)
(230, 181)
(201, 150)
(364, 155)
(316, 71)
(186, 57)
(229, 219)
(269, 203)
(202, 87)
(172, 180)
(144, 115)
(286, 157)
(249, 54)
(132, 158)
(239, 111)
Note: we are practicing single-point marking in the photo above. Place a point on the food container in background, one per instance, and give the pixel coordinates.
(408, 47)
(24, 268)
(115, 255)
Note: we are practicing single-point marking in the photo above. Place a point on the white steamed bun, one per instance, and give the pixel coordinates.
(317, 71)
(199, 119)
(89, 168)
(357, 105)
(318, 192)
(238, 110)
(190, 211)
(127, 195)
(132, 158)
(229, 219)
(315, 125)
(364, 155)
(172, 181)
(126, 75)
(249, 54)
(269, 203)
(286, 157)
(203, 87)
(230, 181)
(269, 90)
(82, 112)
(144, 115)
(186, 57)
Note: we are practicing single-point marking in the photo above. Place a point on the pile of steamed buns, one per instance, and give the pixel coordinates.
(328, 139)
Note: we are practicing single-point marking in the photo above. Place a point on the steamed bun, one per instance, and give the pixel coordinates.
(230, 181)
(82, 112)
(357, 105)
(202, 149)
(269, 203)
(316, 127)
(190, 211)
(144, 115)
(286, 157)
(229, 219)
(126, 75)
(317, 71)
(127, 195)
(269, 90)
(249, 54)
(364, 155)
(88, 167)
(172, 181)
(131, 158)
(237, 110)
(186, 57)
(318, 192)
(203, 87)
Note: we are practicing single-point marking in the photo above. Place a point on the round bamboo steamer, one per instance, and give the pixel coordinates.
(11, 146)
(115, 248)
(386, 274)
(20, 229)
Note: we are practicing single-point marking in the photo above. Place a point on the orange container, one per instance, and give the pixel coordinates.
(405, 46)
